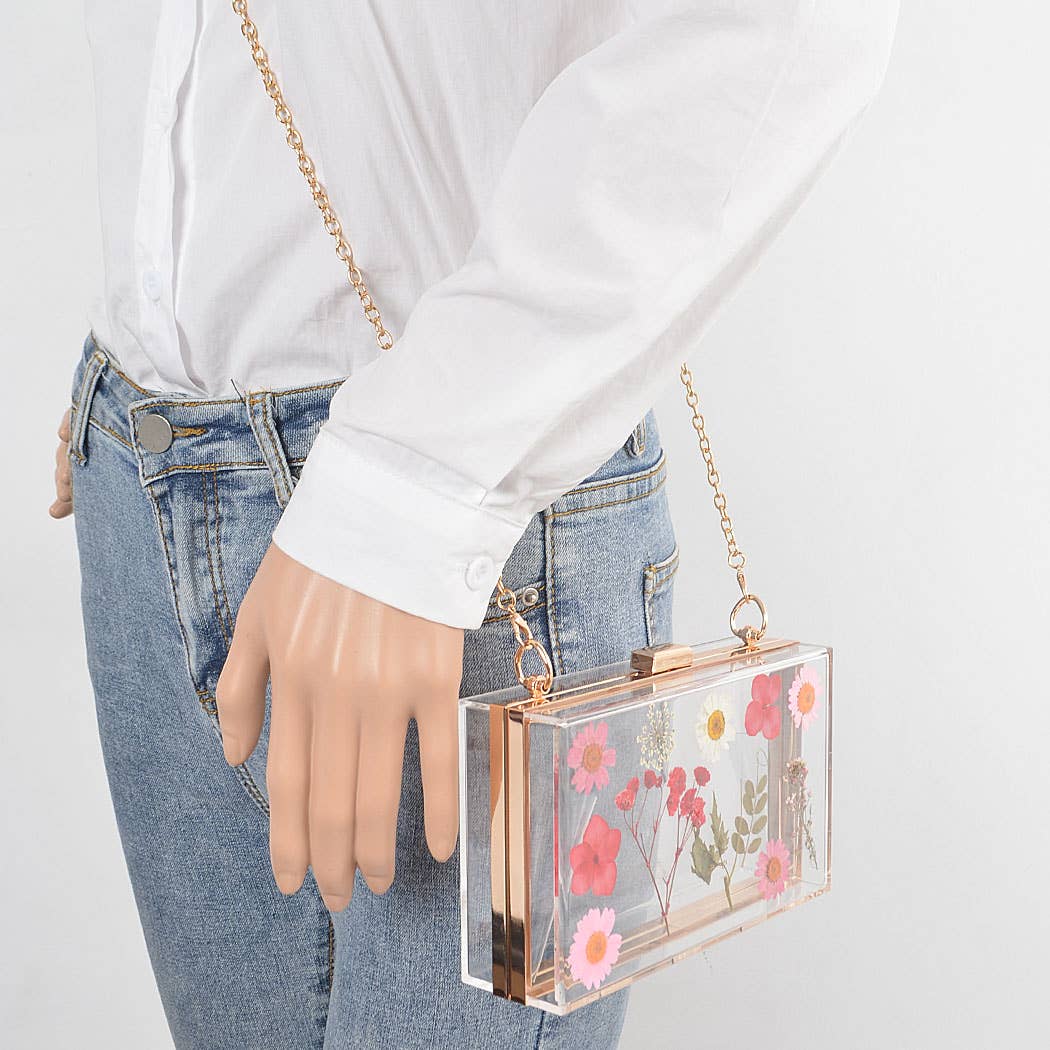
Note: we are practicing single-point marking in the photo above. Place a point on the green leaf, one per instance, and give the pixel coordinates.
(749, 804)
(749, 789)
(718, 829)
(741, 825)
(760, 803)
(753, 848)
(704, 863)
(759, 825)
(762, 781)
(738, 843)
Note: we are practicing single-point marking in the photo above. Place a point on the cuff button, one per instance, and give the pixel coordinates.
(480, 573)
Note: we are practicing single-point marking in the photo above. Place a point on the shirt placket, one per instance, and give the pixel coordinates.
(154, 247)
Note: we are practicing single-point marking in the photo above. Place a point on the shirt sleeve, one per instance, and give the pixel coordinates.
(643, 185)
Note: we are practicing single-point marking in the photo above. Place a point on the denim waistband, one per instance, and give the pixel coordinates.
(263, 429)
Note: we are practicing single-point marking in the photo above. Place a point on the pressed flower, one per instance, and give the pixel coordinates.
(804, 696)
(657, 737)
(715, 727)
(675, 787)
(632, 785)
(652, 779)
(594, 859)
(763, 715)
(591, 758)
(697, 817)
(685, 805)
(625, 800)
(772, 870)
(702, 776)
(595, 948)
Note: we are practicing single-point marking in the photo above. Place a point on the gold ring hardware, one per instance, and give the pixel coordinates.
(747, 634)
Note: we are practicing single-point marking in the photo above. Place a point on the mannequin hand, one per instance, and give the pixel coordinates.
(347, 673)
(63, 505)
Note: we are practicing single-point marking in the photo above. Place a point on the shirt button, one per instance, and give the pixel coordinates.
(480, 572)
(151, 285)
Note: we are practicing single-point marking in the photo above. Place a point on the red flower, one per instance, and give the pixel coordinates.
(676, 780)
(685, 804)
(762, 714)
(625, 800)
(652, 780)
(702, 775)
(594, 860)
(632, 785)
(698, 816)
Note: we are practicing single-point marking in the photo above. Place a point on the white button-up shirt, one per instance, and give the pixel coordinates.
(549, 201)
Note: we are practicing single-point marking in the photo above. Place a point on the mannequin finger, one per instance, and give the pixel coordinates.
(240, 695)
(288, 784)
(63, 485)
(60, 508)
(379, 792)
(333, 787)
(63, 426)
(439, 761)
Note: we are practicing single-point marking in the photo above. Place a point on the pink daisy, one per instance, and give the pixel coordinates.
(772, 869)
(591, 758)
(804, 697)
(595, 948)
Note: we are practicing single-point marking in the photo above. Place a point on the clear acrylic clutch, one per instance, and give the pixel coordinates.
(636, 813)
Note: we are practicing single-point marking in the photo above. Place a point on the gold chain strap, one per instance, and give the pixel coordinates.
(536, 684)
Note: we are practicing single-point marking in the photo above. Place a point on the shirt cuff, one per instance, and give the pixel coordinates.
(372, 526)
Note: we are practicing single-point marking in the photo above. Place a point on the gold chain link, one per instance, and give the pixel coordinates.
(536, 684)
(343, 248)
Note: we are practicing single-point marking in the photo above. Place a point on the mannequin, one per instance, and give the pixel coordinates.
(348, 672)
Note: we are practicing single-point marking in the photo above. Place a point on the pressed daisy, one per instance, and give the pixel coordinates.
(716, 727)
(591, 758)
(772, 869)
(595, 948)
(804, 696)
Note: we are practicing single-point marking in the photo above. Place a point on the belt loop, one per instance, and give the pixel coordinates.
(81, 412)
(260, 416)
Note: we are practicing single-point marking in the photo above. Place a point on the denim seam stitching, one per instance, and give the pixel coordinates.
(552, 602)
(218, 553)
(623, 479)
(211, 564)
(276, 450)
(610, 503)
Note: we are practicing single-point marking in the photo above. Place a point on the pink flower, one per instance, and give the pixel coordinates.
(804, 697)
(652, 780)
(698, 816)
(632, 785)
(702, 775)
(772, 869)
(594, 860)
(595, 948)
(762, 714)
(685, 806)
(625, 800)
(591, 758)
(676, 780)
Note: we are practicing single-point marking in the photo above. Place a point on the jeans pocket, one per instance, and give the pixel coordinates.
(658, 597)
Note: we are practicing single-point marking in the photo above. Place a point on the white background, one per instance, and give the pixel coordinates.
(877, 397)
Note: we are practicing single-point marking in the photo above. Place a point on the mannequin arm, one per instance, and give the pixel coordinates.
(347, 674)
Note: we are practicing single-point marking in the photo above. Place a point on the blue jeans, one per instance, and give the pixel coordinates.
(169, 542)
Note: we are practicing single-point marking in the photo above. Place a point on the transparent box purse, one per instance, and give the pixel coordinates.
(619, 819)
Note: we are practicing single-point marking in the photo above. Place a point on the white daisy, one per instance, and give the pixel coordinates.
(716, 726)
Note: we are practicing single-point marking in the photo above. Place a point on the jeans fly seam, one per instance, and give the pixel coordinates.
(218, 553)
(213, 578)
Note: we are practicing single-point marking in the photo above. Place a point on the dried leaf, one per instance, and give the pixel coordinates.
(759, 825)
(749, 804)
(762, 781)
(703, 862)
(753, 848)
(741, 825)
(718, 829)
(738, 843)
(760, 803)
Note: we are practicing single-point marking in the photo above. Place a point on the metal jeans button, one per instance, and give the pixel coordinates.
(529, 597)
(154, 433)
